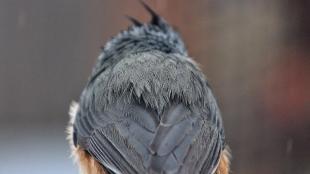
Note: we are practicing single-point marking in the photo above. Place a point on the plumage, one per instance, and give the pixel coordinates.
(147, 107)
(134, 21)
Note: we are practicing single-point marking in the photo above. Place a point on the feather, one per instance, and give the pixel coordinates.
(155, 17)
(134, 21)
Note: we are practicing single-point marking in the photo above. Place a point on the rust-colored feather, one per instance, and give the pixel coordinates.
(224, 163)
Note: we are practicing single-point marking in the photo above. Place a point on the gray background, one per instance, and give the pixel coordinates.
(254, 52)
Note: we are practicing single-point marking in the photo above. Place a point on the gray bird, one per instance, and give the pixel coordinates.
(147, 109)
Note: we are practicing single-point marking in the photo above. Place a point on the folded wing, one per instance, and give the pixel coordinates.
(132, 138)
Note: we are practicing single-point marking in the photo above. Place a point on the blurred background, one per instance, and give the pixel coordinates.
(256, 54)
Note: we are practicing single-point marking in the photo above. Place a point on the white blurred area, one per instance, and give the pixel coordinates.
(34, 149)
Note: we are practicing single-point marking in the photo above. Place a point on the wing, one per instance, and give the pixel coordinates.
(133, 138)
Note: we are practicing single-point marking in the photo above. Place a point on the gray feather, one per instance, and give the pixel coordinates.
(147, 107)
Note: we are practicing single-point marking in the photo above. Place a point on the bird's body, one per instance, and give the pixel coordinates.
(147, 108)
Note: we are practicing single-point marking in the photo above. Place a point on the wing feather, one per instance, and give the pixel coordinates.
(137, 140)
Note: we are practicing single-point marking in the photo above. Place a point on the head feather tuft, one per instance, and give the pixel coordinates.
(134, 21)
(155, 17)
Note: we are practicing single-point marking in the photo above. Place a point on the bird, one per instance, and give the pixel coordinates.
(147, 108)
